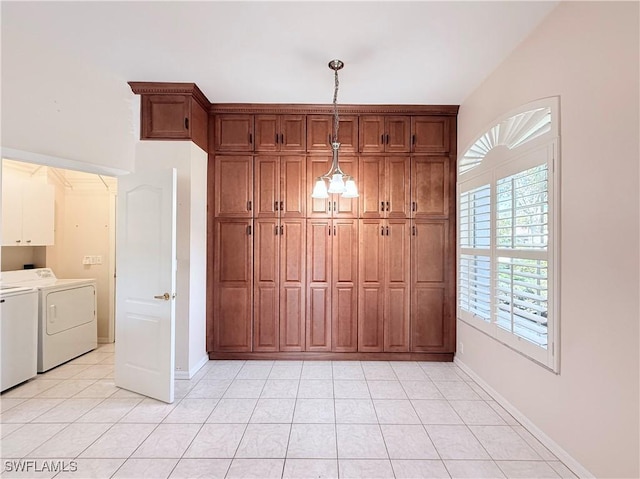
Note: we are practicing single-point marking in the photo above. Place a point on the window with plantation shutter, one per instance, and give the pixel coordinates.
(507, 266)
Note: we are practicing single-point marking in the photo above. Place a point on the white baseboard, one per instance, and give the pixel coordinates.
(192, 372)
(549, 443)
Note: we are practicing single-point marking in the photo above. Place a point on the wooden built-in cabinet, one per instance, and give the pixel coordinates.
(233, 284)
(233, 133)
(280, 133)
(332, 253)
(384, 285)
(289, 276)
(390, 134)
(384, 186)
(296, 277)
(173, 111)
(320, 133)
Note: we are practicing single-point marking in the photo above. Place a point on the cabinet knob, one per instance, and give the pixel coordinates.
(282, 206)
(275, 205)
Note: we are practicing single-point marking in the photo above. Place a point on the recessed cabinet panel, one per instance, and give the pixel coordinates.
(320, 133)
(371, 134)
(166, 116)
(430, 187)
(233, 186)
(267, 133)
(372, 187)
(233, 133)
(293, 190)
(429, 251)
(345, 276)
(316, 167)
(318, 321)
(293, 133)
(428, 332)
(430, 134)
(371, 293)
(292, 284)
(398, 187)
(233, 278)
(267, 186)
(398, 134)
(397, 257)
(266, 285)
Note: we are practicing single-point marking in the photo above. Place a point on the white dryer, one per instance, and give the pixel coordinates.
(67, 321)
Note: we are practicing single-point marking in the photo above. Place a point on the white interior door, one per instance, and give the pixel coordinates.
(145, 283)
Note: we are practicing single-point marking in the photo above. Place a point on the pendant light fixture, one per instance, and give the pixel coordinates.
(339, 182)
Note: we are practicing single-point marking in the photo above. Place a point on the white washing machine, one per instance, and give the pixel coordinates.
(18, 335)
(67, 321)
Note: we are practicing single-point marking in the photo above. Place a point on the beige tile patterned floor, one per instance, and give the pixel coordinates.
(268, 419)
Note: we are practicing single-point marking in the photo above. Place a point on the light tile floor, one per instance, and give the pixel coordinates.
(268, 419)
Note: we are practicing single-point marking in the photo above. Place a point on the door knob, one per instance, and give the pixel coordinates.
(165, 296)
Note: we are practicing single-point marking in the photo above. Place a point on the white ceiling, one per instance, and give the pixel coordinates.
(64, 61)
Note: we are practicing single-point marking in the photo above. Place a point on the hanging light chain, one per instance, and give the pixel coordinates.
(336, 117)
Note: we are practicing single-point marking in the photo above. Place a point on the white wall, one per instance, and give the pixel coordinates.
(191, 164)
(588, 54)
(84, 228)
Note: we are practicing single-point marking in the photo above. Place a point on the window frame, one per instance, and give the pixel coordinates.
(501, 161)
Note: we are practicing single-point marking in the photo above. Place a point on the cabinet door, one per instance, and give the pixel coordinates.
(344, 296)
(11, 211)
(430, 310)
(371, 292)
(267, 133)
(267, 186)
(232, 288)
(165, 116)
(398, 187)
(37, 214)
(318, 321)
(372, 187)
(371, 134)
(293, 133)
(293, 256)
(234, 186)
(430, 134)
(397, 260)
(320, 132)
(266, 285)
(430, 187)
(397, 134)
(293, 190)
(233, 133)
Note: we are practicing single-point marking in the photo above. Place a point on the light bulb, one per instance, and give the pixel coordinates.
(350, 189)
(320, 190)
(336, 185)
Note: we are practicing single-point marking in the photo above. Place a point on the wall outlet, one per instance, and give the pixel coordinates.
(461, 347)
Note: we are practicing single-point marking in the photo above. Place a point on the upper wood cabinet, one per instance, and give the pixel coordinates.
(280, 186)
(280, 133)
(233, 186)
(430, 187)
(384, 187)
(391, 134)
(430, 134)
(320, 131)
(233, 133)
(173, 111)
